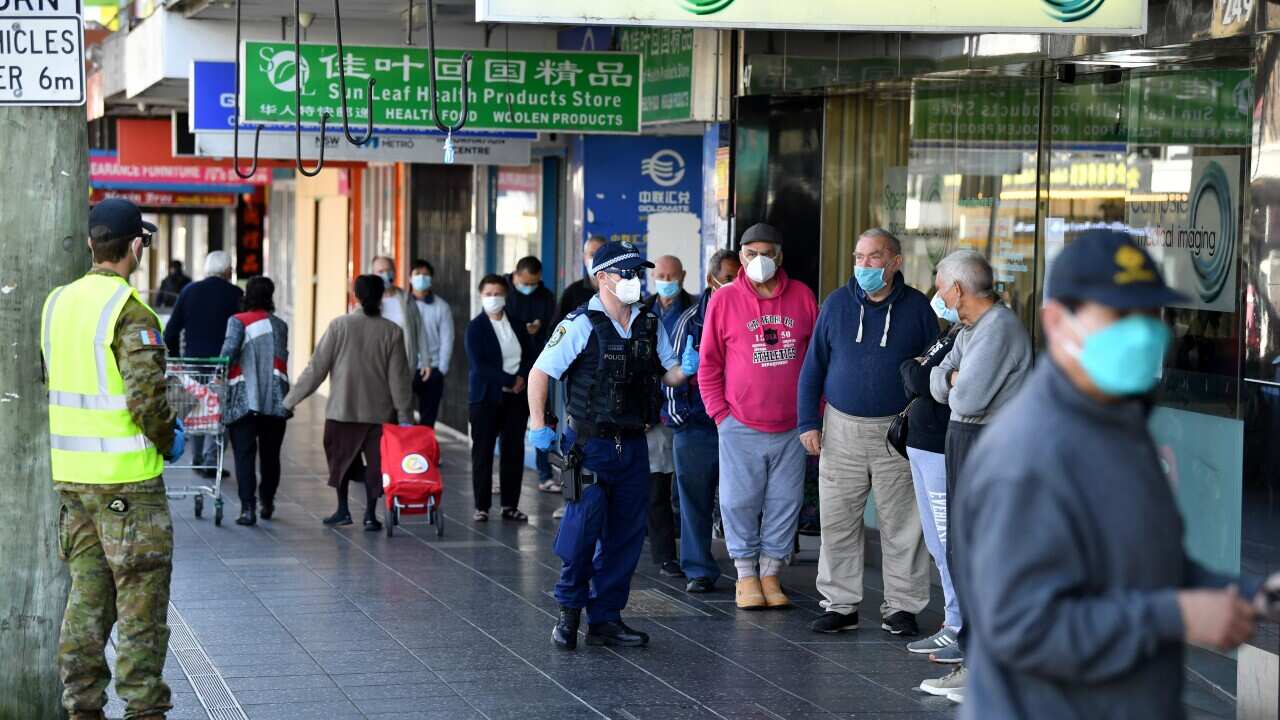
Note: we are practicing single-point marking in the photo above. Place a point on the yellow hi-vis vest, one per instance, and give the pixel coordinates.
(92, 437)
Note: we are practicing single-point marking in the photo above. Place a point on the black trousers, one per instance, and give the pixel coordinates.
(501, 424)
(428, 393)
(257, 439)
(662, 526)
(961, 437)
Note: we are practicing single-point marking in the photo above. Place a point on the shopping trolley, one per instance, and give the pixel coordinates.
(411, 480)
(195, 388)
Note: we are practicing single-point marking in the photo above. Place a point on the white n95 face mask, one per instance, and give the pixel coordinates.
(628, 291)
(761, 269)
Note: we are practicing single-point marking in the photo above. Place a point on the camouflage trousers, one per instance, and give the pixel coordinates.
(117, 541)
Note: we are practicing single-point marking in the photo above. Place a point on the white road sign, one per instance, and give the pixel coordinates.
(41, 52)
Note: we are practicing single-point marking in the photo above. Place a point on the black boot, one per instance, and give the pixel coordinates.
(341, 517)
(247, 516)
(615, 633)
(371, 523)
(565, 633)
(268, 509)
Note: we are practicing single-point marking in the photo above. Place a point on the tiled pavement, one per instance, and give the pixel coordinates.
(302, 621)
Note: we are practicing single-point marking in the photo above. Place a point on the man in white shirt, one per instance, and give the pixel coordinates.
(437, 331)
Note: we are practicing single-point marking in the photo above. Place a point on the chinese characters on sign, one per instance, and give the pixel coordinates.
(668, 70)
(507, 90)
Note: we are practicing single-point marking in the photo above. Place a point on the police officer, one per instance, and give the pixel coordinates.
(110, 430)
(611, 356)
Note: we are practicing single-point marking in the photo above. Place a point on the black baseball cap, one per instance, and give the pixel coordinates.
(618, 256)
(1108, 267)
(117, 218)
(762, 232)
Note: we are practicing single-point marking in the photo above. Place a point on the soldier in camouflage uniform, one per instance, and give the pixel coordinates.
(116, 537)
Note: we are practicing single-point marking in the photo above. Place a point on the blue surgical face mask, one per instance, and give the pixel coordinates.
(524, 289)
(667, 288)
(1125, 357)
(941, 310)
(870, 279)
(388, 277)
(421, 283)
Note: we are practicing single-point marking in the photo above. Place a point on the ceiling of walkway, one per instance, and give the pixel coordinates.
(367, 10)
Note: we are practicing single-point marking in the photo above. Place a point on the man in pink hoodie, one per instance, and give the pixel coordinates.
(754, 340)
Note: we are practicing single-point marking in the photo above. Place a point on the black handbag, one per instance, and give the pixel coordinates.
(896, 436)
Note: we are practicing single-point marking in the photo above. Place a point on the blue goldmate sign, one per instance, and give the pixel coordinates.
(627, 180)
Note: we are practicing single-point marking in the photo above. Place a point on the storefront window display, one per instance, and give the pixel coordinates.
(1019, 166)
(517, 216)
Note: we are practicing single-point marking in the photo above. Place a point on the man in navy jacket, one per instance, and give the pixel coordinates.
(198, 326)
(864, 333)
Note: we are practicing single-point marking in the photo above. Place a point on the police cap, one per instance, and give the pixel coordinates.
(618, 256)
(1109, 268)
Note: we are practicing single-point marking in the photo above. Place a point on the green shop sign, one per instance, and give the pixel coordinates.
(668, 71)
(1211, 107)
(583, 92)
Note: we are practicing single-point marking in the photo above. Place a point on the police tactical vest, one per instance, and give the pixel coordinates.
(92, 437)
(614, 382)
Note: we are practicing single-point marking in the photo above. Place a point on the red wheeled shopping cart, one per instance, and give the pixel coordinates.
(411, 479)
(195, 389)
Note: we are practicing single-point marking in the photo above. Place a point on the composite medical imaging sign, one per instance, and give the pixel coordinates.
(1076, 17)
(41, 52)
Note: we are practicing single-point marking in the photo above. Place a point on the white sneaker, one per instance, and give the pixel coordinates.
(945, 637)
(956, 696)
(947, 684)
(558, 514)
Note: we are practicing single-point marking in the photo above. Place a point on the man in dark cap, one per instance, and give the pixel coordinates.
(1078, 594)
(110, 431)
(610, 353)
(754, 341)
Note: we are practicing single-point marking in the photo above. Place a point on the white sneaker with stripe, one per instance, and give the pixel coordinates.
(946, 637)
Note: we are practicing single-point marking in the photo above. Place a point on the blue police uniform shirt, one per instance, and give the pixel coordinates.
(570, 338)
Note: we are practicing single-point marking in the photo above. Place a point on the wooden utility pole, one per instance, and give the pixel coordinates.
(44, 217)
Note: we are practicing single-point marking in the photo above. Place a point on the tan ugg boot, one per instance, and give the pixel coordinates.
(749, 595)
(773, 595)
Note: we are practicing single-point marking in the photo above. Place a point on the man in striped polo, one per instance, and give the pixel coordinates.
(110, 431)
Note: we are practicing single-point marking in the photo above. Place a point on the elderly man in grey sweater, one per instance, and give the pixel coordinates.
(986, 367)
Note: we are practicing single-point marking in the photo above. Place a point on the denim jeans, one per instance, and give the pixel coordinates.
(697, 457)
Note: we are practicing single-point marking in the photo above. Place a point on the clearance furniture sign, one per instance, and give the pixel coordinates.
(1078, 17)
(582, 92)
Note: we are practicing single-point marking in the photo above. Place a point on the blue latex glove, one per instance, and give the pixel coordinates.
(690, 361)
(542, 438)
(179, 442)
